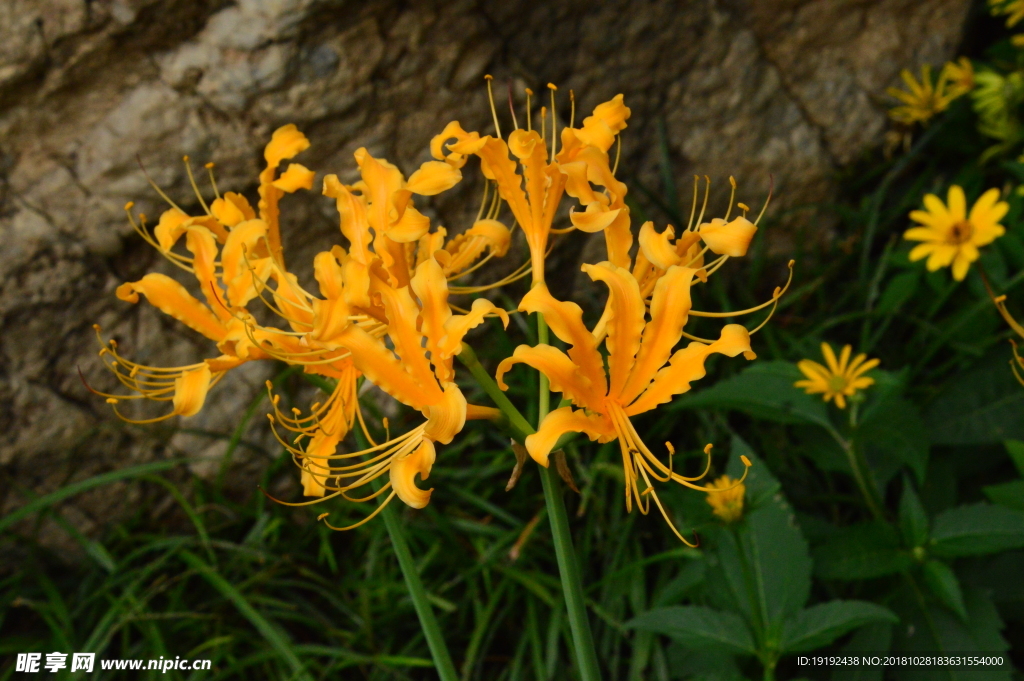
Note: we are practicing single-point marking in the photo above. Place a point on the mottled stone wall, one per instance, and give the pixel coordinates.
(787, 87)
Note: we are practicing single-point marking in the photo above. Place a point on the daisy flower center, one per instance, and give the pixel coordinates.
(960, 233)
(837, 383)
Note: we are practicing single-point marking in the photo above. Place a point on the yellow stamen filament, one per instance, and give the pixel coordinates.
(732, 197)
(554, 123)
(494, 111)
(529, 95)
(195, 187)
(213, 180)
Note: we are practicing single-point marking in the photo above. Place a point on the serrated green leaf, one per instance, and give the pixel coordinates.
(821, 624)
(779, 561)
(983, 405)
(977, 529)
(698, 627)
(764, 390)
(913, 520)
(1008, 494)
(893, 434)
(861, 551)
(943, 583)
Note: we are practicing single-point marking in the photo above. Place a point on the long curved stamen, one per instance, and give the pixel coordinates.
(771, 188)
(554, 123)
(693, 206)
(529, 95)
(174, 258)
(494, 111)
(153, 184)
(483, 200)
(213, 180)
(361, 522)
(195, 187)
(703, 208)
(512, 107)
(774, 300)
(618, 153)
(732, 197)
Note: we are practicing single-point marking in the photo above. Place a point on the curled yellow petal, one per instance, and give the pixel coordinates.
(285, 143)
(170, 228)
(404, 470)
(563, 375)
(174, 300)
(227, 212)
(296, 177)
(433, 177)
(658, 248)
(594, 219)
(457, 326)
(411, 227)
(446, 418)
(562, 421)
(728, 238)
(190, 390)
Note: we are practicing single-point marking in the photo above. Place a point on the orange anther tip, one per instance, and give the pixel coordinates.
(745, 460)
(792, 262)
(529, 91)
(185, 158)
(209, 165)
(128, 206)
(488, 77)
(743, 206)
(111, 400)
(552, 86)
(269, 384)
(96, 327)
(707, 450)
(142, 216)
(322, 516)
(778, 292)
(732, 180)
(999, 299)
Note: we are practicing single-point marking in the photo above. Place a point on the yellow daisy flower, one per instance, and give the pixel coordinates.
(840, 379)
(1013, 9)
(950, 235)
(959, 77)
(727, 503)
(924, 99)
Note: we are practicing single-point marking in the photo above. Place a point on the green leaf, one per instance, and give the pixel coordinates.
(898, 291)
(698, 627)
(277, 639)
(977, 529)
(821, 624)
(702, 665)
(1015, 448)
(943, 583)
(913, 521)
(778, 560)
(983, 405)
(937, 631)
(1008, 494)
(894, 434)
(760, 567)
(861, 552)
(71, 490)
(764, 390)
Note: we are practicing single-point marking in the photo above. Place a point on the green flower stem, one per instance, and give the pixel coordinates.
(428, 623)
(859, 466)
(565, 553)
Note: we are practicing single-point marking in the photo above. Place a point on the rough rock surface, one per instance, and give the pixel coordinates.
(788, 87)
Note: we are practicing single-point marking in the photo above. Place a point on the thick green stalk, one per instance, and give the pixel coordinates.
(565, 553)
(428, 623)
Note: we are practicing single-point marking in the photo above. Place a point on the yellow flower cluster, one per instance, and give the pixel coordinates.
(382, 310)
(924, 99)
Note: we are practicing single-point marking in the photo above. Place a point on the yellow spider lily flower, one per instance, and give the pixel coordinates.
(922, 100)
(840, 379)
(547, 172)
(950, 235)
(417, 370)
(231, 254)
(382, 226)
(643, 372)
(727, 501)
